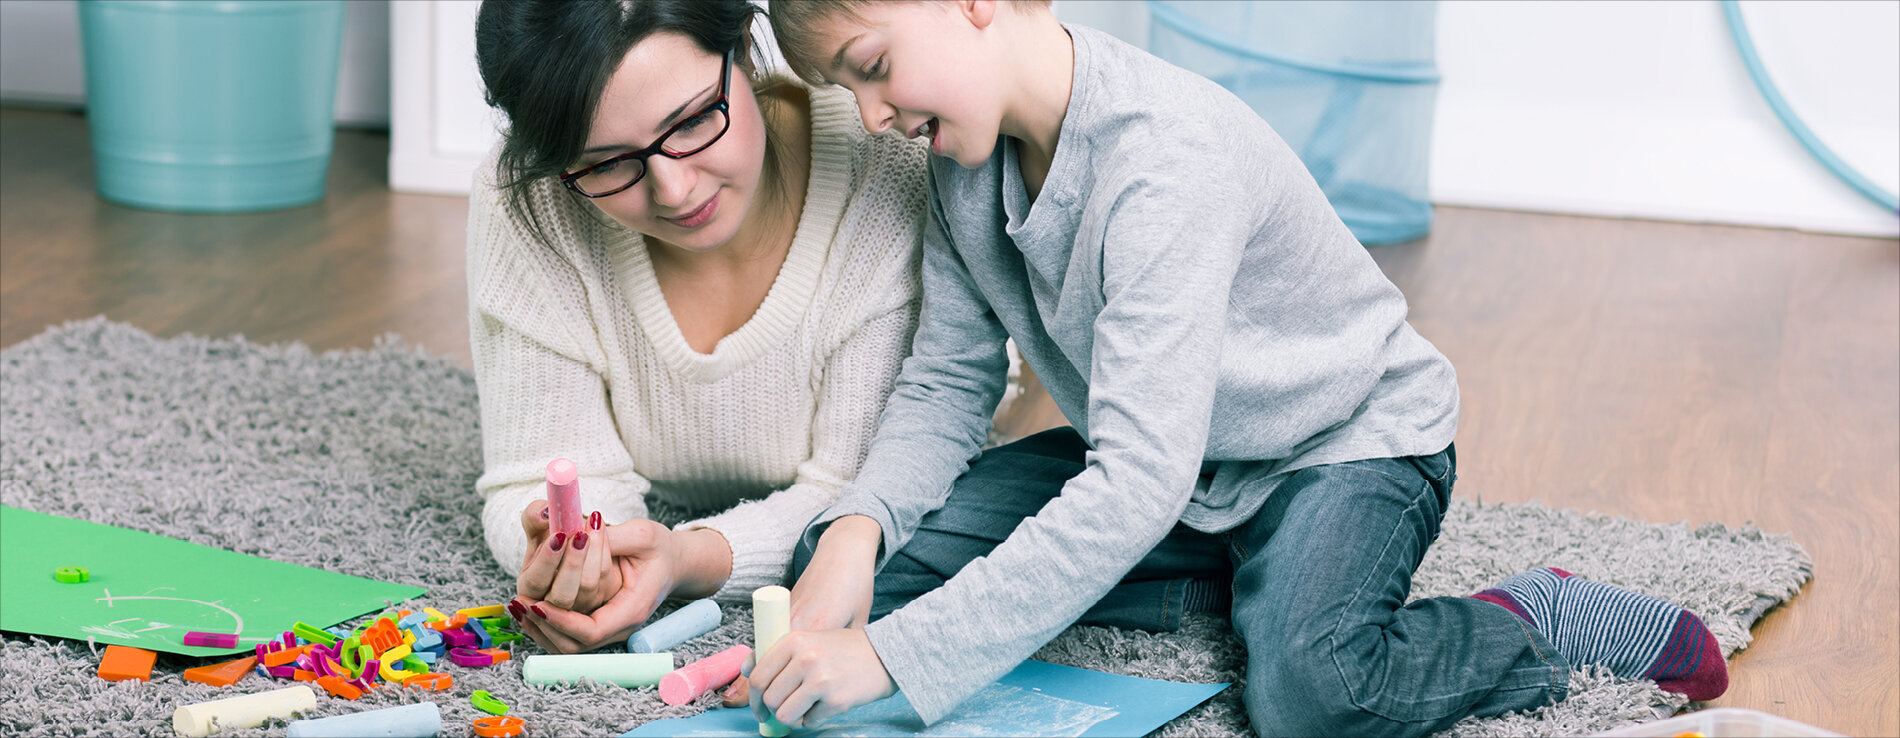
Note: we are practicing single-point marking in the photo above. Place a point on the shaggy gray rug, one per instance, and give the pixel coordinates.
(279, 452)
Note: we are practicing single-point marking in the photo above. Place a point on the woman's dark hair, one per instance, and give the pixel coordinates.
(545, 62)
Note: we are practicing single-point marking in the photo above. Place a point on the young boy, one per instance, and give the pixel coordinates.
(1257, 429)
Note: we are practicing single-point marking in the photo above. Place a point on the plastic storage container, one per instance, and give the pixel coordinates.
(1723, 722)
(211, 106)
(1350, 86)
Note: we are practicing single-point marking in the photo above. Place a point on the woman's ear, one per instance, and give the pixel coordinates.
(747, 44)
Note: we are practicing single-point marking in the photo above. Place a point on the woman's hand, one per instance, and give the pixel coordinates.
(647, 561)
(563, 569)
(565, 631)
(835, 590)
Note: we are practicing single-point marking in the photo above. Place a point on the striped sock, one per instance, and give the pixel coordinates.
(1633, 635)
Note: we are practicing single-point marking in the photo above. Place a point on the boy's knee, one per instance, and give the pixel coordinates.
(1301, 692)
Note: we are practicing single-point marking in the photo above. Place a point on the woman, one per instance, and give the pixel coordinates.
(694, 281)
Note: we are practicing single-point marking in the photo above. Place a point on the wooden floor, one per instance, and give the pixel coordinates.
(1659, 371)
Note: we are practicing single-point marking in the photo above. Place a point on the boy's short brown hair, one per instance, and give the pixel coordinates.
(795, 24)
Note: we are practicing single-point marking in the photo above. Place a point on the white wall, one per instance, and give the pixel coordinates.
(40, 61)
(1643, 109)
(441, 127)
(1629, 109)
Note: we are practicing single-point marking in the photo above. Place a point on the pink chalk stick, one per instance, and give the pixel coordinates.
(688, 682)
(210, 640)
(564, 496)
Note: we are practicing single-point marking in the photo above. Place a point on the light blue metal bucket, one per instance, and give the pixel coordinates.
(211, 105)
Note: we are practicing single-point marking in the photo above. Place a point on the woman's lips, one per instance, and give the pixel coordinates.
(698, 216)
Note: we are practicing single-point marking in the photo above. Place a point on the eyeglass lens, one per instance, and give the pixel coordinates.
(690, 137)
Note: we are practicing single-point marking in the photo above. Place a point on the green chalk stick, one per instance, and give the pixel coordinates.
(624, 669)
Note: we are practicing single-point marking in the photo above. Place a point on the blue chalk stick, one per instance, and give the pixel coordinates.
(420, 720)
(692, 621)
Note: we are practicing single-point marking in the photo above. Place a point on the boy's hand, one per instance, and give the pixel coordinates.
(812, 676)
(835, 590)
(573, 571)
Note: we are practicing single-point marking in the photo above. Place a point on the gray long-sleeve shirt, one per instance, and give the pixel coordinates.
(1192, 303)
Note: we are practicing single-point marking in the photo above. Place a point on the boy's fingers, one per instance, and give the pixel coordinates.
(736, 694)
(757, 700)
(821, 712)
(793, 712)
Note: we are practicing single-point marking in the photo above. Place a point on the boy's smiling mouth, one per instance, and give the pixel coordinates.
(927, 128)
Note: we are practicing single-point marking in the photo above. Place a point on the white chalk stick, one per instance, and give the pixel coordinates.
(771, 620)
(248, 711)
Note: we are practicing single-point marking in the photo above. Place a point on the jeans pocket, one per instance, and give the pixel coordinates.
(1440, 468)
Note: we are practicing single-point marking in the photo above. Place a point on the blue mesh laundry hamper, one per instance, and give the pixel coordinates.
(1350, 86)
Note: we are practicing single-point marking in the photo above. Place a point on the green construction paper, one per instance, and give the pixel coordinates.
(147, 591)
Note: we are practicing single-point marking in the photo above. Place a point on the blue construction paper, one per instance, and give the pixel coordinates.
(1036, 699)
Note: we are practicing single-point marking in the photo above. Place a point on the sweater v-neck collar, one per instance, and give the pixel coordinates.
(833, 125)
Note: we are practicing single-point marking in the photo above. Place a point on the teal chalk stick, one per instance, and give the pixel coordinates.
(692, 621)
(624, 669)
(420, 720)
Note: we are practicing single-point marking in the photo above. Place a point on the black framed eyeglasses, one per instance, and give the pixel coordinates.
(696, 133)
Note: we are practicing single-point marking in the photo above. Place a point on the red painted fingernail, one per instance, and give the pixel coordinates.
(516, 611)
(538, 612)
(594, 520)
(555, 543)
(580, 540)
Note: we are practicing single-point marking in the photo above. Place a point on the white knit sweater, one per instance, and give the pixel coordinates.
(577, 356)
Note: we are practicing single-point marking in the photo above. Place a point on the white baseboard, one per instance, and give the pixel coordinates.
(1716, 170)
(432, 173)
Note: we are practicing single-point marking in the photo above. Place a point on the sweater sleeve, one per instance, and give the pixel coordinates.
(541, 398)
(1167, 271)
(857, 378)
(941, 410)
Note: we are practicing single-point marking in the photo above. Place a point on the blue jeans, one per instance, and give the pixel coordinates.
(1319, 575)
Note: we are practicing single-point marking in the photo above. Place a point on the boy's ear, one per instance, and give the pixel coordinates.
(980, 13)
